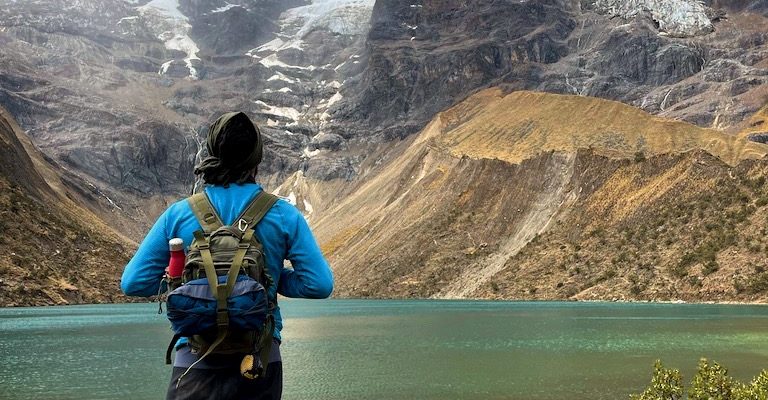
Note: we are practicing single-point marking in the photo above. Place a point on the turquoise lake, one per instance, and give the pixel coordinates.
(381, 349)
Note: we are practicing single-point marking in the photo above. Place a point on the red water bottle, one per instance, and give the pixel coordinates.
(176, 264)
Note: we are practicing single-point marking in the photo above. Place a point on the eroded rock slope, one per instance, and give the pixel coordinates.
(54, 250)
(527, 204)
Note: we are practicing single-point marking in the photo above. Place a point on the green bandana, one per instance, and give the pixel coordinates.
(226, 168)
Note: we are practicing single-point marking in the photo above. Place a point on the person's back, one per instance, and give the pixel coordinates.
(235, 150)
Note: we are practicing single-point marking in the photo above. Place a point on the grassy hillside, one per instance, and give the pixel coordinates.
(55, 251)
(543, 196)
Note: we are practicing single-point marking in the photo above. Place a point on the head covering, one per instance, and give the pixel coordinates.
(234, 149)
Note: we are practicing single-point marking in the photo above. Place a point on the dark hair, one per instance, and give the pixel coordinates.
(234, 151)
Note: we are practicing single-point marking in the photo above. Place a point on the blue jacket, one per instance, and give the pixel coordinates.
(283, 232)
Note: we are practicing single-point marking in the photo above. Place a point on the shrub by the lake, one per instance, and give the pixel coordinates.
(711, 382)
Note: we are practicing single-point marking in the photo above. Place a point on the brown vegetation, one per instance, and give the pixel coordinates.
(54, 250)
(536, 196)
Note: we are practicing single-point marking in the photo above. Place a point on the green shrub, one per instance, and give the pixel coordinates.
(758, 283)
(755, 390)
(711, 382)
(666, 384)
(710, 267)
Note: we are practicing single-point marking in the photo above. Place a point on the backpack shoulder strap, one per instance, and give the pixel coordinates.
(256, 210)
(204, 212)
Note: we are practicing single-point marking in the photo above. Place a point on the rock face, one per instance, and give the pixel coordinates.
(704, 63)
(122, 92)
(424, 57)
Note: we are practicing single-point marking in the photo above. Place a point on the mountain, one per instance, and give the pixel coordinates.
(55, 250)
(425, 140)
(540, 196)
(701, 62)
(121, 92)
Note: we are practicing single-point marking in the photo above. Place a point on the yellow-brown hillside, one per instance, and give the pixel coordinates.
(520, 125)
(55, 251)
(757, 124)
(540, 196)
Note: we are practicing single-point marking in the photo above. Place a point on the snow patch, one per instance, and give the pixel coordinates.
(280, 77)
(127, 19)
(164, 67)
(308, 207)
(287, 112)
(682, 18)
(273, 61)
(309, 154)
(292, 198)
(285, 90)
(169, 8)
(336, 97)
(273, 45)
(346, 17)
(167, 18)
(225, 8)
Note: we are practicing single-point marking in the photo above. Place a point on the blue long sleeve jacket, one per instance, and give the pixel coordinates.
(283, 232)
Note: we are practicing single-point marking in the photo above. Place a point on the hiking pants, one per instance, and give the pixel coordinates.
(226, 384)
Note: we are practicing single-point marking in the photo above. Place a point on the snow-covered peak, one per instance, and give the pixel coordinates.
(172, 28)
(682, 18)
(346, 17)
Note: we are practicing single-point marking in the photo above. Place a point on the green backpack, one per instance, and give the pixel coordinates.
(221, 303)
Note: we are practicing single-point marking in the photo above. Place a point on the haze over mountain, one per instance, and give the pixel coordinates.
(348, 93)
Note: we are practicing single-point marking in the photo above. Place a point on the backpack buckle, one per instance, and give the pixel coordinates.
(242, 225)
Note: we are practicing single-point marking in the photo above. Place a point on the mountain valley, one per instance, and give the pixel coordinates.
(541, 149)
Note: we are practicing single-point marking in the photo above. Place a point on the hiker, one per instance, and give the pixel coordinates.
(235, 151)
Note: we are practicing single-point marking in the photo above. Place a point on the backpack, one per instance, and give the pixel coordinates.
(221, 303)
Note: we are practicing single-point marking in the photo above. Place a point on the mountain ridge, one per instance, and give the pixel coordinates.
(433, 222)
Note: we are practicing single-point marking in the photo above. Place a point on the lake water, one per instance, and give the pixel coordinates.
(370, 349)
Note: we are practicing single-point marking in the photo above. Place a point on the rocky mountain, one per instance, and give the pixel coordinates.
(608, 203)
(55, 251)
(121, 91)
(643, 94)
(701, 62)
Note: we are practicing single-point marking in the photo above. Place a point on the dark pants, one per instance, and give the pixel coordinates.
(226, 384)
